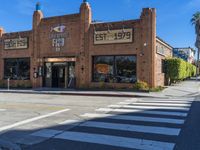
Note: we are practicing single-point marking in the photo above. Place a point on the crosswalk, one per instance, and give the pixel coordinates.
(142, 124)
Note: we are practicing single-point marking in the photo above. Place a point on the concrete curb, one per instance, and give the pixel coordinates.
(81, 94)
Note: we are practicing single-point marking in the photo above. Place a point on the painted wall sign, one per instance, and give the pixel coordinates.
(18, 43)
(113, 36)
(160, 49)
(59, 29)
(58, 32)
(59, 42)
(58, 35)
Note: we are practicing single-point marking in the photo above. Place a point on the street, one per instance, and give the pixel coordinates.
(58, 122)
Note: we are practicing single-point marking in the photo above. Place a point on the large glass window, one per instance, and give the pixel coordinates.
(117, 69)
(103, 68)
(17, 69)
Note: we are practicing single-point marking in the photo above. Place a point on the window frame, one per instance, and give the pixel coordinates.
(114, 67)
(17, 66)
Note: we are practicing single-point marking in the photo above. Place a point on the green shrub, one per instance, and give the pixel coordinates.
(141, 85)
(157, 89)
(177, 69)
(2, 84)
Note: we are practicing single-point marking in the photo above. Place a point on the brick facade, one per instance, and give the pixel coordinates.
(79, 45)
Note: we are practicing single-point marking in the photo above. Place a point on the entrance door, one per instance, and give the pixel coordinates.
(71, 75)
(58, 76)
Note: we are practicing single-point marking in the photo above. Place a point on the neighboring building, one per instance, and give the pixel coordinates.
(72, 51)
(187, 54)
(164, 50)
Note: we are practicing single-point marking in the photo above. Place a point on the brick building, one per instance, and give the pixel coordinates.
(72, 51)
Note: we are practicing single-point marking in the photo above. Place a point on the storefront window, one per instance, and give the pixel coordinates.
(17, 69)
(125, 69)
(103, 69)
(114, 69)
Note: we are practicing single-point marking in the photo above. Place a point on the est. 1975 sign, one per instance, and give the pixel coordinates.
(18, 43)
(113, 36)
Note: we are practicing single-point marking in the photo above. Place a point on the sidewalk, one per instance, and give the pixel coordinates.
(184, 89)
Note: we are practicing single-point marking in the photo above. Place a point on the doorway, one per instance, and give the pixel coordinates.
(60, 75)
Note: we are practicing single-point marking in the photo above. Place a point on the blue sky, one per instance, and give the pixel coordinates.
(173, 16)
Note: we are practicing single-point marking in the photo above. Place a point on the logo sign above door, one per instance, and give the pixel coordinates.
(58, 35)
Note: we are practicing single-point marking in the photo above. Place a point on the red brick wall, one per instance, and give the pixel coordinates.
(80, 44)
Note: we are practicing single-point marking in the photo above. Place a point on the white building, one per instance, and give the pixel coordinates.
(186, 53)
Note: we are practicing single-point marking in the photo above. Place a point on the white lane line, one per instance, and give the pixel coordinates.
(47, 133)
(70, 122)
(134, 118)
(117, 141)
(148, 107)
(2, 109)
(155, 104)
(180, 114)
(31, 120)
(134, 128)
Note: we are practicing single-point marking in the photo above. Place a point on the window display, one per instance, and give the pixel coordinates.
(114, 69)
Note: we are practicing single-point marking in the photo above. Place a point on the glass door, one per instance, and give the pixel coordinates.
(71, 75)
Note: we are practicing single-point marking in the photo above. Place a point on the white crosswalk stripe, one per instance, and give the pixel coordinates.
(123, 142)
(149, 107)
(156, 104)
(70, 122)
(134, 118)
(150, 118)
(121, 110)
(135, 128)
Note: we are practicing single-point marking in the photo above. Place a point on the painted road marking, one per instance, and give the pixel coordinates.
(123, 142)
(181, 114)
(171, 99)
(160, 100)
(31, 120)
(134, 118)
(70, 122)
(149, 107)
(2, 109)
(134, 128)
(156, 104)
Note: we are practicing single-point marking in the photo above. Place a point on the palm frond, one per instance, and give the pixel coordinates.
(195, 18)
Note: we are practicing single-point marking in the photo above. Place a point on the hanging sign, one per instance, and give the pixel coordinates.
(18, 43)
(113, 36)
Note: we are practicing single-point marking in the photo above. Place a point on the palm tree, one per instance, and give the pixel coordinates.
(196, 21)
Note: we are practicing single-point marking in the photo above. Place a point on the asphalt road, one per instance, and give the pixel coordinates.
(53, 122)
(189, 138)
